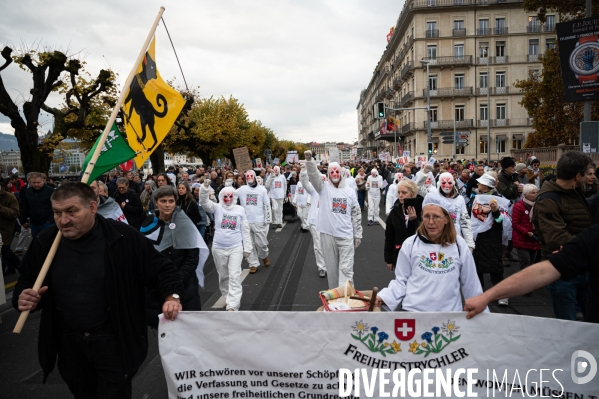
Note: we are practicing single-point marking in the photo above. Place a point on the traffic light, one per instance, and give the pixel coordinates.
(381, 110)
(430, 148)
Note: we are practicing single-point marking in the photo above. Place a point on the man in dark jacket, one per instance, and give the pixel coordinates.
(36, 207)
(130, 203)
(479, 170)
(508, 180)
(560, 213)
(9, 212)
(93, 298)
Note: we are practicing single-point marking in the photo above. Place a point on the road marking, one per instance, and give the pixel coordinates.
(220, 304)
(9, 285)
(383, 224)
(283, 226)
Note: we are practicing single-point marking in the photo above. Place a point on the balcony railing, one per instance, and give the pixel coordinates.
(483, 32)
(549, 28)
(482, 91)
(500, 31)
(408, 127)
(409, 67)
(451, 3)
(533, 57)
(407, 97)
(533, 28)
(449, 92)
(505, 122)
(459, 32)
(452, 60)
(448, 124)
(396, 83)
(432, 33)
(389, 93)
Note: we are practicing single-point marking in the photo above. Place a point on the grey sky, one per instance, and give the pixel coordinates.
(298, 66)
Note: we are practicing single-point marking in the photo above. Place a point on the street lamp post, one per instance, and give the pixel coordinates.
(488, 109)
(429, 137)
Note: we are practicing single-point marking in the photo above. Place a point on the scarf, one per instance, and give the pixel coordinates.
(531, 205)
(180, 233)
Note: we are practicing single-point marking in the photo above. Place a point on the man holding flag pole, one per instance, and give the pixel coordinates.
(93, 299)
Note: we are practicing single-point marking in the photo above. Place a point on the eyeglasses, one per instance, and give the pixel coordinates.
(434, 218)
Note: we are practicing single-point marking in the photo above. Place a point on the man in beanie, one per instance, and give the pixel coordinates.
(508, 179)
(521, 172)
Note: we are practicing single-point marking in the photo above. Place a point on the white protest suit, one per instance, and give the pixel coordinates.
(392, 193)
(312, 220)
(339, 221)
(254, 199)
(302, 200)
(374, 183)
(232, 241)
(429, 277)
(276, 184)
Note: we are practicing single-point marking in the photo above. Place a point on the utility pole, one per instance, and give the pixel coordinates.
(429, 138)
(587, 104)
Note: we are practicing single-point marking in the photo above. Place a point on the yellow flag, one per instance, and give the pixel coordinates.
(151, 108)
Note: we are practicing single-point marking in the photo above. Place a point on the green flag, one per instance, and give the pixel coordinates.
(115, 151)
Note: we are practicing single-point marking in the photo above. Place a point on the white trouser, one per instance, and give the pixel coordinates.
(277, 211)
(374, 204)
(302, 213)
(338, 259)
(259, 233)
(317, 248)
(228, 266)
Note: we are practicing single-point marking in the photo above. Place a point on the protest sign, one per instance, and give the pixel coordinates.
(275, 161)
(242, 159)
(304, 354)
(406, 154)
(258, 163)
(333, 154)
(292, 157)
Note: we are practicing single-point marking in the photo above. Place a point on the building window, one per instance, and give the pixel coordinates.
(483, 52)
(500, 52)
(533, 24)
(549, 43)
(458, 51)
(549, 23)
(484, 113)
(432, 82)
(500, 144)
(517, 144)
(483, 27)
(500, 28)
(484, 80)
(500, 112)
(533, 50)
(500, 81)
(431, 51)
(433, 114)
(460, 150)
(459, 112)
(431, 29)
(458, 28)
(482, 147)
(459, 81)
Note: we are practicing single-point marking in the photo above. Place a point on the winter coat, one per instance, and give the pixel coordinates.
(557, 223)
(133, 209)
(521, 225)
(9, 212)
(396, 232)
(132, 265)
(508, 185)
(192, 210)
(489, 249)
(36, 205)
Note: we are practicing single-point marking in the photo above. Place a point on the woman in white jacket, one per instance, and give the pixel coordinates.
(432, 267)
(374, 184)
(231, 242)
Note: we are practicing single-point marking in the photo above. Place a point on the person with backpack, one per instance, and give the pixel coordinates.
(560, 214)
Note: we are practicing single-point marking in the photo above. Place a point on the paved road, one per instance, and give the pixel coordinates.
(291, 283)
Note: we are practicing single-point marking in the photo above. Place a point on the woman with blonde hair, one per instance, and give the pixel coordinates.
(433, 266)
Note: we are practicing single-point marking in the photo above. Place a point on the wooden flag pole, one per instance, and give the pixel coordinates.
(90, 166)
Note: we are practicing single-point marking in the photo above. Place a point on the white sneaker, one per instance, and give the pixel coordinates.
(503, 302)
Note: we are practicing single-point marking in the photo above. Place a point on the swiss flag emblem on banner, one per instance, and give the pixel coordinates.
(405, 329)
(433, 256)
(125, 166)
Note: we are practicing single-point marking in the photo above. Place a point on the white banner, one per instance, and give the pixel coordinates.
(334, 154)
(304, 354)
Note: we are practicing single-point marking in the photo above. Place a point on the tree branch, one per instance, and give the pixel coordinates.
(6, 55)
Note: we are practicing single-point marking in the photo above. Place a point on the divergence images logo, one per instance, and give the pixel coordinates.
(580, 367)
(433, 341)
